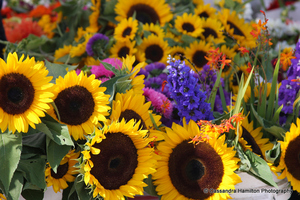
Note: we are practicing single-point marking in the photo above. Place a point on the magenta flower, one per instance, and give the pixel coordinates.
(104, 74)
(160, 102)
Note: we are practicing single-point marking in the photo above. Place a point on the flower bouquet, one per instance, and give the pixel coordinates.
(123, 99)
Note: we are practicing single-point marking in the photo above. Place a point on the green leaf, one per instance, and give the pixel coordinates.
(150, 189)
(109, 8)
(70, 193)
(35, 41)
(55, 153)
(56, 131)
(111, 68)
(241, 92)
(82, 192)
(273, 155)
(260, 168)
(33, 194)
(272, 94)
(10, 152)
(111, 85)
(224, 104)
(138, 40)
(67, 59)
(58, 142)
(276, 115)
(15, 187)
(170, 41)
(108, 18)
(269, 126)
(57, 70)
(187, 39)
(34, 171)
(245, 164)
(37, 140)
(262, 102)
(147, 33)
(212, 96)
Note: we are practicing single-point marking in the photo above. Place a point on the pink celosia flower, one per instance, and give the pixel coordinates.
(101, 72)
(159, 101)
(78, 71)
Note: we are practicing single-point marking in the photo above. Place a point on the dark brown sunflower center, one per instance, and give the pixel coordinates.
(251, 141)
(16, 93)
(198, 59)
(115, 165)
(188, 27)
(292, 158)
(61, 171)
(180, 54)
(203, 14)
(75, 105)
(144, 13)
(126, 32)
(236, 77)
(153, 33)
(236, 30)
(193, 169)
(154, 53)
(123, 52)
(208, 31)
(130, 114)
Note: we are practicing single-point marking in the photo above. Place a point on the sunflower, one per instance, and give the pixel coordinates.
(198, 2)
(177, 52)
(65, 171)
(230, 54)
(89, 61)
(80, 102)
(80, 48)
(258, 90)
(137, 82)
(126, 30)
(147, 11)
(212, 31)
(154, 29)
(205, 11)
(48, 25)
(122, 49)
(235, 78)
(93, 18)
(61, 52)
(196, 53)
(155, 49)
(133, 106)
(2, 197)
(253, 140)
(185, 170)
(172, 36)
(290, 156)
(25, 93)
(189, 24)
(237, 28)
(118, 161)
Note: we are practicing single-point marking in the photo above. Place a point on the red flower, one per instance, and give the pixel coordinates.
(17, 29)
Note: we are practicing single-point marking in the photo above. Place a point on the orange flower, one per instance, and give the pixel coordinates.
(285, 58)
(39, 11)
(224, 61)
(213, 57)
(243, 50)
